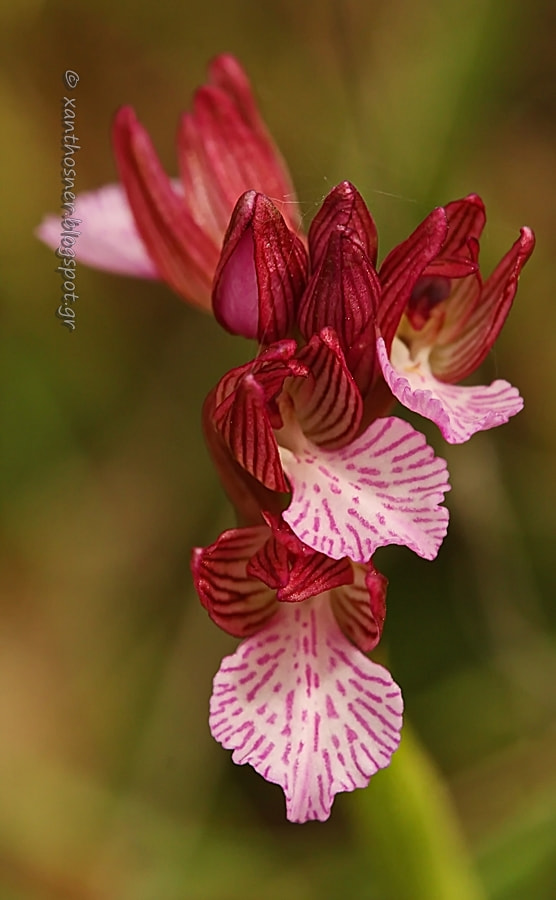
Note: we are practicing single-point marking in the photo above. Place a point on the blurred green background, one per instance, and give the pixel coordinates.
(110, 785)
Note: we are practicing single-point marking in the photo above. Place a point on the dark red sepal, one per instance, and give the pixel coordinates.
(294, 570)
(183, 253)
(403, 267)
(261, 273)
(343, 210)
(343, 294)
(236, 601)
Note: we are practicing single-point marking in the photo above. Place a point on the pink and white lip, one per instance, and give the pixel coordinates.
(299, 700)
(305, 708)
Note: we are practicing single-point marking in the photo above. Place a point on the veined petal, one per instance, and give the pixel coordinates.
(108, 238)
(270, 369)
(328, 404)
(458, 411)
(261, 273)
(383, 488)
(247, 495)
(454, 360)
(360, 607)
(343, 210)
(306, 709)
(238, 603)
(183, 253)
(466, 220)
(403, 266)
(222, 157)
(226, 73)
(459, 255)
(294, 570)
(343, 294)
(243, 421)
(447, 320)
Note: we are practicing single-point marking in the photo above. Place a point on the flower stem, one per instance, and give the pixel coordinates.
(411, 833)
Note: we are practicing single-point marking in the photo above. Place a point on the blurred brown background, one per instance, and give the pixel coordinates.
(110, 785)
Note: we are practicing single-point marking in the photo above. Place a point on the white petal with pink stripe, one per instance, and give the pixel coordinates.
(459, 411)
(383, 488)
(108, 238)
(305, 708)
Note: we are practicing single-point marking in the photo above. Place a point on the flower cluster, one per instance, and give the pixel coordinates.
(318, 471)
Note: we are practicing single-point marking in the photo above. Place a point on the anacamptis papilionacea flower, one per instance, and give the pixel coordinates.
(318, 472)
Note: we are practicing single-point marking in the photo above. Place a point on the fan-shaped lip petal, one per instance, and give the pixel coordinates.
(383, 488)
(108, 239)
(459, 411)
(299, 703)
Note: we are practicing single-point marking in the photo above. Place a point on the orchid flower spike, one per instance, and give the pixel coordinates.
(299, 700)
(319, 474)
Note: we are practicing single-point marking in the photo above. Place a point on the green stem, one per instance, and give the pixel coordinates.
(410, 831)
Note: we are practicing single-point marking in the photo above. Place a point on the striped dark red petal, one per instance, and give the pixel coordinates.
(237, 602)
(343, 210)
(220, 148)
(271, 564)
(292, 569)
(244, 423)
(247, 495)
(185, 256)
(261, 273)
(272, 365)
(360, 607)
(445, 321)
(344, 294)
(466, 219)
(403, 266)
(328, 403)
(454, 361)
(226, 73)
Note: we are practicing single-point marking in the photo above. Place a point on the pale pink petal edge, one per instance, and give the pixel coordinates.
(459, 411)
(385, 487)
(306, 709)
(106, 237)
